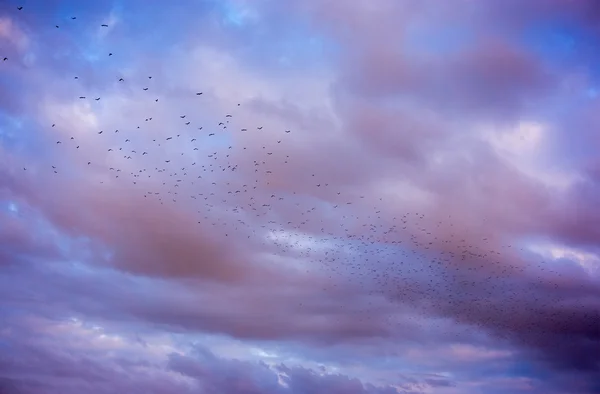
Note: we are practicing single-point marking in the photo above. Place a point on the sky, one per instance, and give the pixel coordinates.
(299, 197)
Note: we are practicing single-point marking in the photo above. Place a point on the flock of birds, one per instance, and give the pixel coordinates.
(230, 187)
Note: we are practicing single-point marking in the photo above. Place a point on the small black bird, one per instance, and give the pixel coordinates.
(199, 94)
(19, 8)
(104, 25)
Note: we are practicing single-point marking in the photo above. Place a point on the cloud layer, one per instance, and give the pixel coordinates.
(299, 197)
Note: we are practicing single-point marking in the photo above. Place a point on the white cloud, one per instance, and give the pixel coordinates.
(525, 146)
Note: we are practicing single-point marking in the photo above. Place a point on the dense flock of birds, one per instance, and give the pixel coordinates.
(396, 256)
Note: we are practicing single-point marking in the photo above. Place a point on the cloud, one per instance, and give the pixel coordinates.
(97, 360)
(379, 194)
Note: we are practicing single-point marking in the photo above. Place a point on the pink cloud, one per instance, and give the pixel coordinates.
(390, 205)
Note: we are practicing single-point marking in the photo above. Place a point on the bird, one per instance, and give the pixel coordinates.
(103, 25)
(19, 8)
